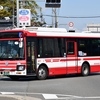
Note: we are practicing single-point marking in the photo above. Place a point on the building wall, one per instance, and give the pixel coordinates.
(95, 28)
(5, 24)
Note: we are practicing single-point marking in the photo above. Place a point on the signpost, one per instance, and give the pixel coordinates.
(24, 17)
(71, 24)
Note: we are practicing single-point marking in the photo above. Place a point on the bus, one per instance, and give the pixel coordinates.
(43, 52)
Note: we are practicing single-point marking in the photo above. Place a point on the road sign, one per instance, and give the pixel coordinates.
(71, 24)
(24, 17)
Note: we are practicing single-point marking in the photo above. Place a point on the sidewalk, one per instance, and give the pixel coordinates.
(16, 97)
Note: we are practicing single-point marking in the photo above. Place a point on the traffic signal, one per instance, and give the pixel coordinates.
(53, 1)
(48, 1)
(58, 1)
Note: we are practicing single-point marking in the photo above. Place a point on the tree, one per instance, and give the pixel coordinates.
(6, 8)
(9, 5)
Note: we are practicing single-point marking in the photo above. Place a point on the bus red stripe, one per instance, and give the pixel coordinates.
(91, 58)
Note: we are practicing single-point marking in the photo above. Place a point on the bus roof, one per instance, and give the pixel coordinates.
(42, 29)
(55, 32)
(60, 32)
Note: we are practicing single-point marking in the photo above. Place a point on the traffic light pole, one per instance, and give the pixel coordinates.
(53, 4)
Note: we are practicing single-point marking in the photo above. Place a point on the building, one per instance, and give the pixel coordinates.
(7, 23)
(94, 28)
(4, 24)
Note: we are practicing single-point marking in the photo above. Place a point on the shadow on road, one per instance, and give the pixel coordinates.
(21, 79)
(53, 77)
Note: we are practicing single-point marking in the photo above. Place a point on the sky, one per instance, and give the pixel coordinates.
(73, 8)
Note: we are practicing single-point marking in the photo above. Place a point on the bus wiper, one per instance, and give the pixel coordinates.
(3, 54)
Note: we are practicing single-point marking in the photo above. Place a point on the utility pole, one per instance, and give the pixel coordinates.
(56, 22)
(41, 16)
(53, 4)
(54, 19)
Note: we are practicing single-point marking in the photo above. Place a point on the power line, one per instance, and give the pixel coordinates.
(74, 16)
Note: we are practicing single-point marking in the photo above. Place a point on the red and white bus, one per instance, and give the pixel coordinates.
(44, 52)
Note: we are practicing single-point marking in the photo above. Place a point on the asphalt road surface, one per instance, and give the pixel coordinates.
(70, 87)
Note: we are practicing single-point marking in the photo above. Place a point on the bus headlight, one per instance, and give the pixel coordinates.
(20, 67)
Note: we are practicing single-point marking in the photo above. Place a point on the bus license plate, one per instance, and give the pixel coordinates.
(6, 73)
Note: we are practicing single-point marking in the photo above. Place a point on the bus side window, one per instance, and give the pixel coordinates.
(70, 47)
(48, 53)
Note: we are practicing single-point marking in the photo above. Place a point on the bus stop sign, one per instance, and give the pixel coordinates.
(24, 17)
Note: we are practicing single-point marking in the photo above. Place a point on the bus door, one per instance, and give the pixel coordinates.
(71, 53)
(30, 45)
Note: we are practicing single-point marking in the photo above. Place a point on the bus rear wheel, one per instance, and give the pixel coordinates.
(42, 73)
(85, 69)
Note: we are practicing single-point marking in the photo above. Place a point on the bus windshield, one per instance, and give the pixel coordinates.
(11, 49)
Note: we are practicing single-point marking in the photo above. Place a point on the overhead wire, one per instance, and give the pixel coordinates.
(73, 16)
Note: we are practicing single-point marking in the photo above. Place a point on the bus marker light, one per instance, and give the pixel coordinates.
(18, 73)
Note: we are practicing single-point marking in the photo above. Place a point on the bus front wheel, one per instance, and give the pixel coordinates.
(85, 69)
(42, 73)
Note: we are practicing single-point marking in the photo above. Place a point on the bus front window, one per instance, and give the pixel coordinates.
(10, 49)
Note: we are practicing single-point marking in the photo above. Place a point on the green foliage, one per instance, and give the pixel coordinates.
(7, 8)
(9, 5)
(38, 24)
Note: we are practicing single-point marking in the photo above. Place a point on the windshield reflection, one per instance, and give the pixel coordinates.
(10, 49)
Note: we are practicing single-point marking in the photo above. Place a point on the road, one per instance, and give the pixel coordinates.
(70, 87)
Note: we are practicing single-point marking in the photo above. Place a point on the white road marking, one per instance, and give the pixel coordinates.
(5, 93)
(50, 96)
(97, 97)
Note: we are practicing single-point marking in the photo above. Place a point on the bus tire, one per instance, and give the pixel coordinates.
(85, 70)
(42, 73)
